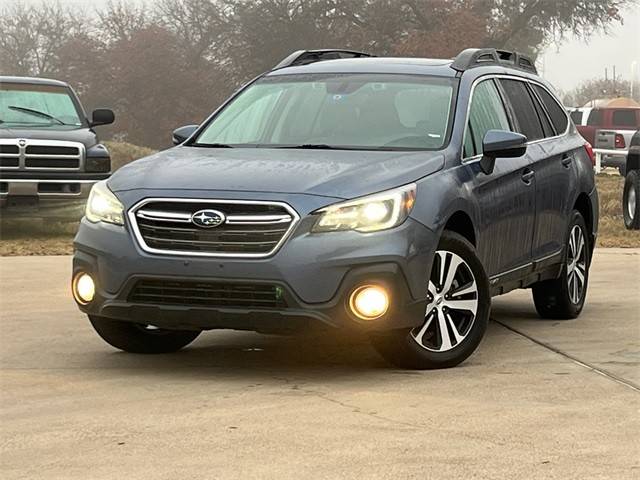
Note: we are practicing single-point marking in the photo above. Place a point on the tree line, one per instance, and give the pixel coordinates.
(170, 62)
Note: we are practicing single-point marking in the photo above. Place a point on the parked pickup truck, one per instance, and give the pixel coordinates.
(609, 128)
(49, 153)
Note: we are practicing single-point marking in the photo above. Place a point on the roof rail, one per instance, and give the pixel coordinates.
(305, 57)
(477, 57)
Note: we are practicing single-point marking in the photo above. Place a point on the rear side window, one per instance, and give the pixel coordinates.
(556, 112)
(486, 113)
(576, 116)
(625, 118)
(523, 109)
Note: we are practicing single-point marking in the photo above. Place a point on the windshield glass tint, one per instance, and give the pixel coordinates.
(360, 111)
(34, 105)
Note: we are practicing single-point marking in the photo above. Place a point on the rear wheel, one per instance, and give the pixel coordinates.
(631, 200)
(456, 316)
(563, 298)
(138, 338)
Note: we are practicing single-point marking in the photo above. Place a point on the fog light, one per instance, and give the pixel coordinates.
(369, 302)
(84, 288)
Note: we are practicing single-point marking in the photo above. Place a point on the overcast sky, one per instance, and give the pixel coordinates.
(564, 65)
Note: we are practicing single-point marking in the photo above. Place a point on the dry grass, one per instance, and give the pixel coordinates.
(123, 153)
(16, 239)
(612, 232)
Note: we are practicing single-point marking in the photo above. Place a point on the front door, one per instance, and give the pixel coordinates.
(506, 196)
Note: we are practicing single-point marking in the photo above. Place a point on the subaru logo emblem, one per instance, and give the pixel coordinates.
(208, 218)
(22, 142)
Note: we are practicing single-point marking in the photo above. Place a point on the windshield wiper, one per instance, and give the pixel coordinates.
(312, 146)
(37, 113)
(211, 145)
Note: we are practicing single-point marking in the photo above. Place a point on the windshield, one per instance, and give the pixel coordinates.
(26, 106)
(351, 111)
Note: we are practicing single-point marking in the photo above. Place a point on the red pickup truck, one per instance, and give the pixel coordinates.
(608, 128)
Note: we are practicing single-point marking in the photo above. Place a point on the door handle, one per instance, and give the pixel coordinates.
(527, 176)
(566, 160)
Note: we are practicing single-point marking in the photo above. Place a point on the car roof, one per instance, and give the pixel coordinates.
(33, 81)
(420, 66)
(403, 65)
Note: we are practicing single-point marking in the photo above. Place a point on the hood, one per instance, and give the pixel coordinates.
(331, 173)
(82, 135)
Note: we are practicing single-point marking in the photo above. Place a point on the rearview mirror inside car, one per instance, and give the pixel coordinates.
(182, 133)
(501, 144)
(102, 116)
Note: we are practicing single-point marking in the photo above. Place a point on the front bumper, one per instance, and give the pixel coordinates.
(316, 272)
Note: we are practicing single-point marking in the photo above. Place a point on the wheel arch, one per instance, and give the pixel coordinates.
(461, 223)
(584, 206)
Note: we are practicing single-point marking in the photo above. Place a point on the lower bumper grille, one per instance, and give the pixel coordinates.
(208, 294)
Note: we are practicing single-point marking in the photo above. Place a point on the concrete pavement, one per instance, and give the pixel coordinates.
(540, 399)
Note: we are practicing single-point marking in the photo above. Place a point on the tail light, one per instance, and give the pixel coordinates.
(589, 149)
(620, 143)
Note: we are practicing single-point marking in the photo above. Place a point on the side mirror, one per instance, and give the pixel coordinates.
(182, 133)
(501, 144)
(102, 116)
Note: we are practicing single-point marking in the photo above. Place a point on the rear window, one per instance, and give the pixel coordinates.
(595, 118)
(523, 109)
(625, 118)
(556, 112)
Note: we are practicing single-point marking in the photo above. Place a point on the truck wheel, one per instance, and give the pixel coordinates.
(456, 316)
(137, 338)
(631, 201)
(563, 298)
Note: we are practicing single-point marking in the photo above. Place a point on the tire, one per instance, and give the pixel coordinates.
(425, 347)
(631, 200)
(559, 298)
(135, 338)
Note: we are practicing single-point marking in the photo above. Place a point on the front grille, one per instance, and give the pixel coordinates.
(52, 162)
(253, 229)
(35, 154)
(208, 294)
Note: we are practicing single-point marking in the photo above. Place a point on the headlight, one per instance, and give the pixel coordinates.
(368, 214)
(103, 206)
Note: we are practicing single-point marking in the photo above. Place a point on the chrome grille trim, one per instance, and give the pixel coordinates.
(23, 158)
(179, 217)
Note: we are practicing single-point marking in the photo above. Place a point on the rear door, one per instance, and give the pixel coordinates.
(556, 177)
(506, 197)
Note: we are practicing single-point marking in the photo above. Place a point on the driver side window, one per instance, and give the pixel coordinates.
(486, 113)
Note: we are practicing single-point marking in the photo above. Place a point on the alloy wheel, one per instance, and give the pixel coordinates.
(452, 304)
(576, 264)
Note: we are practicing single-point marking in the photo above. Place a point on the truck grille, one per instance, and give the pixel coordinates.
(208, 294)
(246, 228)
(23, 154)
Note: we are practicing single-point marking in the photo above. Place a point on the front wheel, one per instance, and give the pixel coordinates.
(457, 313)
(138, 338)
(631, 201)
(563, 298)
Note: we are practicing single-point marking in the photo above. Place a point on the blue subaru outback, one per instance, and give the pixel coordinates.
(391, 195)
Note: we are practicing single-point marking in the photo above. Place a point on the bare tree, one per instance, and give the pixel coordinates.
(120, 19)
(31, 36)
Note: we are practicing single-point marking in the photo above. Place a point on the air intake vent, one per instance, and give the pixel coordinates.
(208, 294)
